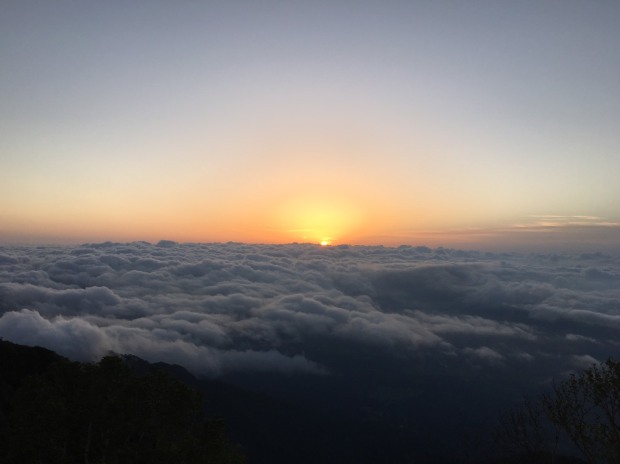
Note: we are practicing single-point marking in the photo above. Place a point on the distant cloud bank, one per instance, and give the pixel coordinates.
(219, 308)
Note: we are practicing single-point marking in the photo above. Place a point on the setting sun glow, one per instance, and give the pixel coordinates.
(320, 221)
(311, 122)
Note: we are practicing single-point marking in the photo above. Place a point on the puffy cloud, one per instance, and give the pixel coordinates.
(218, 308)
(584, 361)
(7, 260)
(82, 340)
(72, 337)
(485, 353)
(62, 301)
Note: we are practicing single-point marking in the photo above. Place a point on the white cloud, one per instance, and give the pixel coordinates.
(74, 338)
(218, 308)
(485, 353)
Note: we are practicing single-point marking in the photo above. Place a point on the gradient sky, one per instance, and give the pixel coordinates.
(476, 124)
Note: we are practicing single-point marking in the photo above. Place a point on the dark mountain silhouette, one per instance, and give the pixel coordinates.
(47, 401)
(58, 411)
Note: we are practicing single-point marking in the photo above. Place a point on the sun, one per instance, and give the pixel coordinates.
(322, 219)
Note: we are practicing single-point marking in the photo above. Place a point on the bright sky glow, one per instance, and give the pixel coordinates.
(477, 124)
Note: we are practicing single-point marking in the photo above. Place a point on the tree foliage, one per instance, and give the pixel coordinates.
(587, 408)
(583, 410)
(523, 432)
(105, 413)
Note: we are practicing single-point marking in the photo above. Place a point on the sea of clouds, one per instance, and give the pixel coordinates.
(222, 308)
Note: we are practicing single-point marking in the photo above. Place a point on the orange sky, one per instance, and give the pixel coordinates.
(410, 124)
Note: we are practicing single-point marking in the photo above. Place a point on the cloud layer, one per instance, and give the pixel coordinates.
(222, 308)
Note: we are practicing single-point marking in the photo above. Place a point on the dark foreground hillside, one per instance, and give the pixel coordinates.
(56, 411)
(126, 410)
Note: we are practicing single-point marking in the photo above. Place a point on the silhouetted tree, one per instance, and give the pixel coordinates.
(525, 432)
(585, 409)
